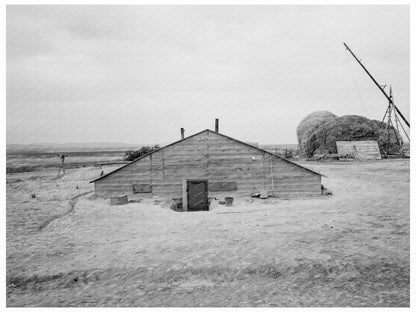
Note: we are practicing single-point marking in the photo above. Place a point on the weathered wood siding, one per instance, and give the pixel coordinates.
(361, 150)
(215, 158)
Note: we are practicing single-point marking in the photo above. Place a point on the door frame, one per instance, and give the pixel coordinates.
(185, 193)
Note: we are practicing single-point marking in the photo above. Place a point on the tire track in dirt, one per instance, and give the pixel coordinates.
(276, 284)
(72, 202)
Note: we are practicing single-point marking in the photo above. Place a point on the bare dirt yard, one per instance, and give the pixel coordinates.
(65, 248)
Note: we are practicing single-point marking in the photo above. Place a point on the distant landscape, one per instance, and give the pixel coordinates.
(37, 148)
(68, 147)
(38, 156)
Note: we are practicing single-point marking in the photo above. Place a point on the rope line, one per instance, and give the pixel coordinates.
(356, 84)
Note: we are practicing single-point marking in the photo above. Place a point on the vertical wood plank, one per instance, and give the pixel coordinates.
(151, 171)
(264, 171)
(184, 195)
(163, 164)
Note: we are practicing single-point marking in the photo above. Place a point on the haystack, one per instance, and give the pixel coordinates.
(319, 131)
(309, 125)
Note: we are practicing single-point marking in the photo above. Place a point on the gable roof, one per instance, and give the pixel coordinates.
(210, 131)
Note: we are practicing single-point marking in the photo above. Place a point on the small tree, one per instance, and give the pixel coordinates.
(131, 155)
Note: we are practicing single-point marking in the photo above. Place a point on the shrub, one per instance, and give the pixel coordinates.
(131, 155)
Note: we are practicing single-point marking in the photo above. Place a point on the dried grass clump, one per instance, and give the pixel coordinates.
(319, 132)
(309, 125)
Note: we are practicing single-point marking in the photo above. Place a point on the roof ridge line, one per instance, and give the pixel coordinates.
(209, 130)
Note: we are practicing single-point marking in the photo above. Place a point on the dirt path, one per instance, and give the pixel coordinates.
(71, 203)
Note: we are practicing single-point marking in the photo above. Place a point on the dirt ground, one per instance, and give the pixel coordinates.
(65, 248)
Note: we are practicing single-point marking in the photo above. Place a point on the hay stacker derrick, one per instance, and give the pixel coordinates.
(392, 109)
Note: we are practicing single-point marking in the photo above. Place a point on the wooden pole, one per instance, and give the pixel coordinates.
(62, 165)
(388, 130)
(272, 174)
(377, 84)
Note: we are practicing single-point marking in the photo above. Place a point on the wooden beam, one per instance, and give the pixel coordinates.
(184, 195)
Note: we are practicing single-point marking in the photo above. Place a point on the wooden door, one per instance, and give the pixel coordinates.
(197, 195)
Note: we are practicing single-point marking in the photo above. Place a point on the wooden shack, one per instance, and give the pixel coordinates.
(209, 164)
(361, 150)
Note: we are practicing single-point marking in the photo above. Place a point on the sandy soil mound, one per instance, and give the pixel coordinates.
(85, 174)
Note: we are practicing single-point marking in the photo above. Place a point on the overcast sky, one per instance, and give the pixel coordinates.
(137, 74)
